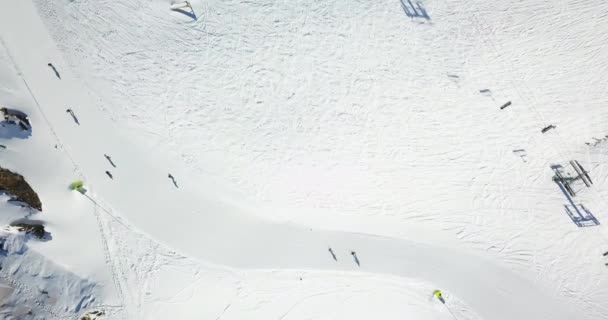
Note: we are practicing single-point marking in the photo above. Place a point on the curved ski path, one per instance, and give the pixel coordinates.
(200, 220)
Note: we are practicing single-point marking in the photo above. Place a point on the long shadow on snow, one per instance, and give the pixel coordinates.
(189, 14)
(581, 219)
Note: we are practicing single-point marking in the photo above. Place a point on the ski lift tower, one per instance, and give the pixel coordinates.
(566, 180)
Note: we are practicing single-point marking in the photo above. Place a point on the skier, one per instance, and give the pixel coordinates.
(170, 176)
(55, 70)
(439, 296)
(110, 160)
(109, 175)
(333, 255)
(71, 112)
(354, 254)
(547, 128)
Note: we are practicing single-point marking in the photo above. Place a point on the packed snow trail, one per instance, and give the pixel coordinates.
(203, 220)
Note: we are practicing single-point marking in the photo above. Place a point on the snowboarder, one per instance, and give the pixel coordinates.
(354, 254)
(110, 160)
(333, 255)
(71, 112)
(109, 175)
(55, 70)
(170, 176)
(439, 296)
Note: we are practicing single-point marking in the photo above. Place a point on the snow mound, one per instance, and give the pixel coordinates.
(40, 288)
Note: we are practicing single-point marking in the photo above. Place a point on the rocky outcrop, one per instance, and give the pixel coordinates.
(16, 117)
(15, 185)
(36, 230)
(93, 315)
(14, 124)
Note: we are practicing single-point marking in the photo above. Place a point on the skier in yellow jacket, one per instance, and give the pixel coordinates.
(439, 296)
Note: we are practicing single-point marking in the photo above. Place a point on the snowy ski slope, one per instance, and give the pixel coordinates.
(295, 127)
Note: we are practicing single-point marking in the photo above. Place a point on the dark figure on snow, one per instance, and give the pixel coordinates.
(170, 176)
(354, 254)
(439, 296)
(55, 70)
(110, 160)
(109, 175)
(71, 112)
(333, 255)
(505, 105)
(547, 128)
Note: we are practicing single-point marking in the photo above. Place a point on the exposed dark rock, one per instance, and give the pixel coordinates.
(97, 314)
(15, 185)
(36, 230)
(14, 124)
(16, 117)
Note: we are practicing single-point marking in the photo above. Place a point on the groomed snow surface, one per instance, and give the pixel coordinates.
(330, 160)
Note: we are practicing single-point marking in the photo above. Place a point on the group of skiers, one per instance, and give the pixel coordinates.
(352, 253)
(23, 118)
(7, 113)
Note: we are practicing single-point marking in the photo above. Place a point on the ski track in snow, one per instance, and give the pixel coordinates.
(255, 101)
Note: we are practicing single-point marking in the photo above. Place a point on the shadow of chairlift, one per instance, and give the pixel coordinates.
(414, 10)
(566, 181)
(581, 216)
(578, 213)
(183, 7)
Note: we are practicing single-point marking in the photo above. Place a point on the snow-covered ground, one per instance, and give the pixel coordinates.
(293, 128)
